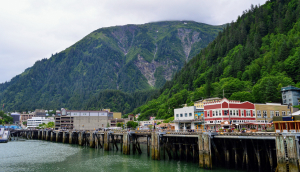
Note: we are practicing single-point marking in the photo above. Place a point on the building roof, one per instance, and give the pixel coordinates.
(290, 88)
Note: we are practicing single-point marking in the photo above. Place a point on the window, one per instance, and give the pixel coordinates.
(181, 115)
(283, 113)
(230, 112)
(271, 114)
(190, 114)
(237, 112)
(185, 114)
(213, 113)
(177, 115)
(242, 112)
(258, 114)
(248, 113)
(253, 112)
(220, 113)
(276, 113)
(265, 113)
(216, 113)
(208, 113)
(233, 112)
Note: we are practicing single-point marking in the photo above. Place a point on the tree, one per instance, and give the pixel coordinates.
(119, 124)
(242, 96)
(25, 123)
(50, 125)
(132, 124)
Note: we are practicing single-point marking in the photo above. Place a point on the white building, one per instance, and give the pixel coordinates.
(36, 121)
(184, 118)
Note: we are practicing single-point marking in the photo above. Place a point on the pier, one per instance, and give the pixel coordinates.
(265, 151)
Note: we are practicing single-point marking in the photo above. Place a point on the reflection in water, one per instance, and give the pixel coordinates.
(36, 155)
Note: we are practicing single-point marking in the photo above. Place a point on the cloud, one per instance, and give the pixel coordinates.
(32, 29)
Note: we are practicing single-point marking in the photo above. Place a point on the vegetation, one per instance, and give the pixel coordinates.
(6, 119)
(251, 59)
(24, 123)
(107, 59)
(132, 124)
(48, 125)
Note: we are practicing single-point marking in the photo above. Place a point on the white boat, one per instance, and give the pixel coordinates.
(4, 135)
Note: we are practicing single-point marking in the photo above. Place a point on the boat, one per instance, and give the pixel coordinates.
(4, 135)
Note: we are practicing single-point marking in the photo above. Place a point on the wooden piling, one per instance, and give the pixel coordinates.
(92, 140)
(280, 152)
(106, 141)
(207, 151)
(57, 135)
(80, 138)
(126, 145)
(201, 151)
(291, 142)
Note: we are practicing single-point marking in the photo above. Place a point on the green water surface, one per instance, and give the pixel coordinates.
(45, 156)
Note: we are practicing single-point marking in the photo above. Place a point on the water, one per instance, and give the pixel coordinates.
(37, 155)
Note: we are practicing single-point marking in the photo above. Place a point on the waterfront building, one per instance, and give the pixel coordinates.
(229, 114)
(290, 95)
(36, 121)
(184, 118)
(266, 112)
(25, 117)
(16, 117)
(82, 120)
(113, 122)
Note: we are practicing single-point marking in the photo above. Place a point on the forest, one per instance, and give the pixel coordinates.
(250, 60)
(114, 58)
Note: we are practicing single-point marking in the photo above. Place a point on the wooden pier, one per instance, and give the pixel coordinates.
(264, 151)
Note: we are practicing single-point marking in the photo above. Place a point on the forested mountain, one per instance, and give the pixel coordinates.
(251, 59)
(126, 58)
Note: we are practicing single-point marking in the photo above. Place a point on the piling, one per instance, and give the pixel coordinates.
(70, 137)
(281, 154)
(106, 141)
(51, 136)
(80, 138)
(64, 140)
(126, 150)
(92, 140)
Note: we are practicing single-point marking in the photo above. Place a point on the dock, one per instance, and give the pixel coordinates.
(261, 151)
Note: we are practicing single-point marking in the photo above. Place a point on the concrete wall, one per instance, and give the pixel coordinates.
(90, 122)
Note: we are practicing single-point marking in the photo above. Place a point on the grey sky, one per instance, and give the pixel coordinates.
(34, 29)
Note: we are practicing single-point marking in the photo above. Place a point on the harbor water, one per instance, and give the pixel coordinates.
(45, 156)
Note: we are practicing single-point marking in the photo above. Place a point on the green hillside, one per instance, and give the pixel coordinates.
(127, 58)
(250, 60)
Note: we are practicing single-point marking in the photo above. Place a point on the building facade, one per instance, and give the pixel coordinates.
(83, 120)
(16, 118)
(266, 112)
(25, 117)
(184, 118)
(228, 114)
(36, 121)
(290, 94)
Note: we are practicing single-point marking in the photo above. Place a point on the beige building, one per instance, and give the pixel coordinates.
(25, 117)
(82, 120)
(266, 112)
(117, 115)
(200, 103)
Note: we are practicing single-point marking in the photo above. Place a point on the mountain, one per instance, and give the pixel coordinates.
(126, 58)
(251, 59)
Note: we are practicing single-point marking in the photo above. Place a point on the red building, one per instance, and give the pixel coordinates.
(229, 114)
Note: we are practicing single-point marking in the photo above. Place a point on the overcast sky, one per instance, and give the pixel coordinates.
(31, 30)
